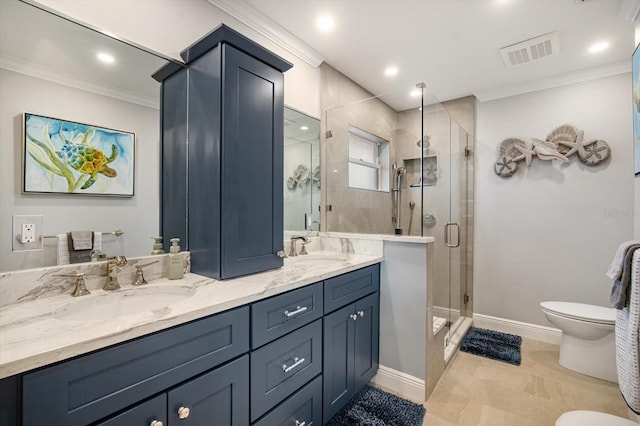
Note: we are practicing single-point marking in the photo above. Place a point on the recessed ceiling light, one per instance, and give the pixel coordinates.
(415, 93)
(391, 71)
(598, 47)
(304, 128)
(325, 23)
(106, 58)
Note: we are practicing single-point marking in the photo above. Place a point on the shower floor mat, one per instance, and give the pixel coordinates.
(493, 345)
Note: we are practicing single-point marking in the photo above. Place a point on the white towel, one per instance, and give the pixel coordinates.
(615, 269)
(627, 343)
(97, 241)
(63, 249)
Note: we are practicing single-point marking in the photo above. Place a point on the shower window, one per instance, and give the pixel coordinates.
(368, 161)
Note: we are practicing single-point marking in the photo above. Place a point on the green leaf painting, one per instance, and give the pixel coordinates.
(68, 157)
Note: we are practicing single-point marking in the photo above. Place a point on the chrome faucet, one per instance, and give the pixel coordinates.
(139, 279)
(303, 251)
(112, 279)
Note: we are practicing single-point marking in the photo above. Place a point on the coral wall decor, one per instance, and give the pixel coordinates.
(563, 142)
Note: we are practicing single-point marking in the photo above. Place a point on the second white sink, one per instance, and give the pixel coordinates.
(123, 302)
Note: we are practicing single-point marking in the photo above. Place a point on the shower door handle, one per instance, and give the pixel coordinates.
(446, 234)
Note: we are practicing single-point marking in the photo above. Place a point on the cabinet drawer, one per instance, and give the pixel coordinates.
(275, 317)
(347, 288)
(302, 408)
(141, 414)
(281, 367)
(83, 390)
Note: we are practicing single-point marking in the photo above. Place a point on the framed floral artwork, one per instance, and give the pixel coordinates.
(62, 156)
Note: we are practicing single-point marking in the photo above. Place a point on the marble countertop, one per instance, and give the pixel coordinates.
(47, 330)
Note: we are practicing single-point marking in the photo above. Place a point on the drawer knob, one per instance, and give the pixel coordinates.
(353, 317)
(296, 362)
(298, 311)
(183, 412)
(299, 423)
(156, 423)
(361, 313)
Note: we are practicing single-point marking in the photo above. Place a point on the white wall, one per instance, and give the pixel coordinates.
(550, 231)
(137, 216)
(169, 26)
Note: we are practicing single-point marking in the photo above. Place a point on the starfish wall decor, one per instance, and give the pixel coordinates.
(560, 144)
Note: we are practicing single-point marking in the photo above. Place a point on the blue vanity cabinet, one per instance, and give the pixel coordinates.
(351, 339)
(223, 178)
(83, 390)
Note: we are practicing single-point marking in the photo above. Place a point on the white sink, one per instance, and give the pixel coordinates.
(122, 302)
(318, 258)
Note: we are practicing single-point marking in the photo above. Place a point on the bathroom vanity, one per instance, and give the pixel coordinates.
(260, 350)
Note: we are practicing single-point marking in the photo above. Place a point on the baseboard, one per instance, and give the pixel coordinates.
(524, 329)
(401, 383)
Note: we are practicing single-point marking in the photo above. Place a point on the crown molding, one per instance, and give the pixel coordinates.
(55, 76)
(249, 16)
(629, 10)
(560, 80)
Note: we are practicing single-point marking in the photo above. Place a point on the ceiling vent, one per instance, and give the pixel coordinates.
(530, 50)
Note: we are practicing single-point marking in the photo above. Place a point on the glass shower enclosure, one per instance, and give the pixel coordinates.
(395, 164)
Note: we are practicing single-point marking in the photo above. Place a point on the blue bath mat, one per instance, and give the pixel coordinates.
(375, 407)
(493, 344)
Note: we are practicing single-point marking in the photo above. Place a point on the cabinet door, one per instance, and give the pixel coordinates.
(339, 328)
(252, 162)
(220, 397)
(367, 330)
(143, 414)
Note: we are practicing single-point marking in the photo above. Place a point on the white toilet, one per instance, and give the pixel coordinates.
(588, 343)
(592, 418)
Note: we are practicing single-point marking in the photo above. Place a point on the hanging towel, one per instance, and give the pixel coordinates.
(63, 249)
(627, 345)
(80, 246)
(97, 241)
(615, 269)
(620, 289)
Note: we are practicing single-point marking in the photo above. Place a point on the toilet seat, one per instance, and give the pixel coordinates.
(581, 312)
(592, 418)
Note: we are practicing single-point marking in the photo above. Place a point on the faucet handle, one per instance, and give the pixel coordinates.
(139, 279)
(81, 288)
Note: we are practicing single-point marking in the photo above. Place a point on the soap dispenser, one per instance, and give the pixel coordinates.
(175, 263)
(157, 246)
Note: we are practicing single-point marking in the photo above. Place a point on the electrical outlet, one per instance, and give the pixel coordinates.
(28, 233)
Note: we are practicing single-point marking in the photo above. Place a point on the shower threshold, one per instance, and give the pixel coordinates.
(455, 335)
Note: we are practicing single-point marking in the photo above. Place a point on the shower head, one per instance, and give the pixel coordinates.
(401, 171)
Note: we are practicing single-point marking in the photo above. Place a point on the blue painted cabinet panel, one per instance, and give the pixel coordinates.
(339, 329)
(87, 388)
(367, 340)
(220, 397)
(279, 315)
(283, 366)
(144, 413)
(302, 408)
(227, 160)
(347, 288)
(173, 205)
(351, 342)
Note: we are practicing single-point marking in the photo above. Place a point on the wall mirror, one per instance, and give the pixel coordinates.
(50, 66)
(301, 172)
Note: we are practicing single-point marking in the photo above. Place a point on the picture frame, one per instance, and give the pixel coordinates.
(635, 90)
(67, 157)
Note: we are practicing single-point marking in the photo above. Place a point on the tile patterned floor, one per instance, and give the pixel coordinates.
(476, 391)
